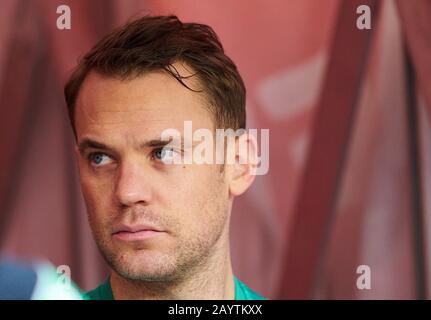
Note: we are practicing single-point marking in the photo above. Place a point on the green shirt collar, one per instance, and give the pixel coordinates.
(104, 292)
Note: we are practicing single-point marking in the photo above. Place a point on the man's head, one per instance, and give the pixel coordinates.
(152, 220)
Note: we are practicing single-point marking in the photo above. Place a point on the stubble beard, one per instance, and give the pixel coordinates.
(189, 255)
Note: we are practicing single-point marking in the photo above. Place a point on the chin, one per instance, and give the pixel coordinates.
(144, 266)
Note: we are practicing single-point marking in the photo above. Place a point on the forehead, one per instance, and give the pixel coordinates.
(112, 108)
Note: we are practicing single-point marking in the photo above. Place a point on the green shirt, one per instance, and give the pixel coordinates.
(104, 292)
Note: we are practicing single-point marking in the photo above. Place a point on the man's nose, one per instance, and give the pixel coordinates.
(132, 185)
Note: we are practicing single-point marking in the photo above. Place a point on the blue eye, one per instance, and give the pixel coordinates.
(159, 153)
(99, 159)
(165, 155)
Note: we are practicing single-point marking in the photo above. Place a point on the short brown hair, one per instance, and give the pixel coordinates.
(156, 42)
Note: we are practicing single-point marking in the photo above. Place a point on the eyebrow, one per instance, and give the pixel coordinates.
(93, 144)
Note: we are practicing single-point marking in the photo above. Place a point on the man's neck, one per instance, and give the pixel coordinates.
(214, 282)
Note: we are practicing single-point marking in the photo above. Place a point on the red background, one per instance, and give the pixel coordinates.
(350, 154)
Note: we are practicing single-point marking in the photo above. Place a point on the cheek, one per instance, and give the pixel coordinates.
(96, 192)
(197, 200)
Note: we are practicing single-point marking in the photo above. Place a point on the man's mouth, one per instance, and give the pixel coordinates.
(136, 232)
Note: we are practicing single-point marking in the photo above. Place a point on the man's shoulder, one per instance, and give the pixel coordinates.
(102, 292)
(242, 292)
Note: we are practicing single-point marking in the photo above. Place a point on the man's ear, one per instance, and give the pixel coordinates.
(243, 171)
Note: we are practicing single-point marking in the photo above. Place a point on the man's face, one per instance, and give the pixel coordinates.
(129, 190)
